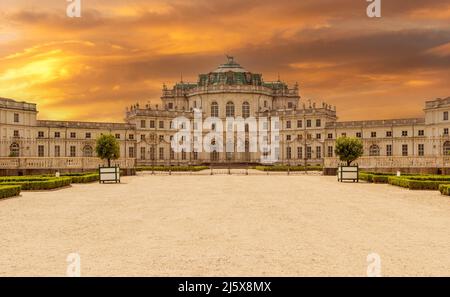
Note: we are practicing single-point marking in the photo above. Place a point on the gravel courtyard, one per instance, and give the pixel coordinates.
(256, 225)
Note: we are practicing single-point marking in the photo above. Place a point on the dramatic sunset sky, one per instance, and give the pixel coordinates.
(121, 52)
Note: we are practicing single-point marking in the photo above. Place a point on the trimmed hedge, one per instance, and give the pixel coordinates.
(39, 183)
(417, 184)
(374, 177)
(172, 168)
(282, 168)
(83, 179)
(444, 189)
(9, 191)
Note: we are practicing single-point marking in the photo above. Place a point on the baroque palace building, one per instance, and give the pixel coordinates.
(307, 131)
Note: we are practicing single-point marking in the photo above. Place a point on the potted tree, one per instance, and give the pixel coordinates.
(348, 149)
(107, 148)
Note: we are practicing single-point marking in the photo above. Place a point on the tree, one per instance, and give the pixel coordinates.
(108, 148)
(348, 149)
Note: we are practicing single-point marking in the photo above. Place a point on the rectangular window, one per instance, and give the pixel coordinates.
(170, 105)
(404, 150)
(183, 155)
(318, 123)
(288, 125)
(152, 153)
(161, 153)
(161, 138)
(299, 124)
(57, 151)
(276, 125)
(40, 151)
(330, 152)
(445, 131)
(57, 134)
(318, 152)
(131, 152)
(142, 153)
(308, 152)
(318, 136)
(152, 124)
(344, 134)
(195, 155)
(389, 150)
(421, 149)
(330, 135)
(41, 134)
(445, 115)
(388, 133)
(288, 137)
(404, 133)
(373, 134)
(172, 154)
(16, 118)
(88, 135)
(299, 152)
(73, 151)
(131, 137)
(421, 133)
(73, 135)
(16, 133)
(309, 136)
(161, 124)
(358, 134)
(288, 153)
(142, 137)
(143, 124)
(117, 136)
(308, 123)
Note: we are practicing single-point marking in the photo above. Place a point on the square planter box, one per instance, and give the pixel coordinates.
(109, 174)
(348, 173)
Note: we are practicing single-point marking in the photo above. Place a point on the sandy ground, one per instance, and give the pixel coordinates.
(223, 225)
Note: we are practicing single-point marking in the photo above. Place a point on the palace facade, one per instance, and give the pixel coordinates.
(307, 131)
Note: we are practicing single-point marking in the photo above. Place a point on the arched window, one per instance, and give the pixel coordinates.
(230, 109)
(87, 151)
(374, 150)
(14, 150)
(245, 110)
(214, 110)
(446, 148)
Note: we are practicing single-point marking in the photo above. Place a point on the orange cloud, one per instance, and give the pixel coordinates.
(91, 68)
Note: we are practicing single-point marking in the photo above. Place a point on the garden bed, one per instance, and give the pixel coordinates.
(9, 191)
(33, 183)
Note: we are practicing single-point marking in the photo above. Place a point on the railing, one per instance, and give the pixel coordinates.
(394, 162)
(62, 163)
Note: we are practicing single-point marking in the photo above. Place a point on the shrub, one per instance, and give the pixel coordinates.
(40, 183)
(444, 189)
(378, 178)
(9, 191)
(417, 184)
(366, 177)
(86, 178)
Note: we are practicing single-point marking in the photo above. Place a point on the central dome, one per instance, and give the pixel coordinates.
(230, 73)
(231, 65)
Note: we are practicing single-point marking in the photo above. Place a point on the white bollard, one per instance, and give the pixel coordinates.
(57, 174)
(399, 173)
